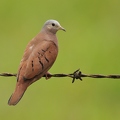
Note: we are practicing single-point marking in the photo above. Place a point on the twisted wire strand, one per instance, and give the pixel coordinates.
(75, 75)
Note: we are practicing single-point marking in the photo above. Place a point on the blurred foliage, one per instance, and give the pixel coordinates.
(91, 43)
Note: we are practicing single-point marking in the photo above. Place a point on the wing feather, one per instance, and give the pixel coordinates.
(38, 61)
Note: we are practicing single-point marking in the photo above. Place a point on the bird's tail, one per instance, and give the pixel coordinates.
(17, 95)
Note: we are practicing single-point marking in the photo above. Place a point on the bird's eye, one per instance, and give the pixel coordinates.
(53, 24)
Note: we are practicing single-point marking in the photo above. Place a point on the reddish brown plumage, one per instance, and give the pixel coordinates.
(39, 56)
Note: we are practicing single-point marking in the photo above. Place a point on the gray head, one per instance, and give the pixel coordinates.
(52, 26)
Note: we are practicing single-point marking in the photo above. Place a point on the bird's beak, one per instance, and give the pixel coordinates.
(61, 28)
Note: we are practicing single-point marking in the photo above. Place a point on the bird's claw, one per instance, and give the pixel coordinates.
(48, 75)
(77, 75)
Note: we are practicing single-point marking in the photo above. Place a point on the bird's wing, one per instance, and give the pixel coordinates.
(37, 60)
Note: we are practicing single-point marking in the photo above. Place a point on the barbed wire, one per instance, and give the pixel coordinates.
(75, 75)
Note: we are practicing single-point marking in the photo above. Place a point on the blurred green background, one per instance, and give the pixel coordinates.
(91, 43)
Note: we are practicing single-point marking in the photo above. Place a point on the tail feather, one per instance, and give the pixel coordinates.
(17, 95)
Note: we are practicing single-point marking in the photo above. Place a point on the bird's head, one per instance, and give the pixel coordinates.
(53, 26)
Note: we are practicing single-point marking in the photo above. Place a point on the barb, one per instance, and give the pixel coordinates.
(75, 75)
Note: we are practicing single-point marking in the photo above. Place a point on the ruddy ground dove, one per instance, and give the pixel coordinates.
(39, 56)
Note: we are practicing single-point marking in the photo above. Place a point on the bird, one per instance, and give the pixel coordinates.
(38, 57)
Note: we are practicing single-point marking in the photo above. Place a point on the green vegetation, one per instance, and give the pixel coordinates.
(91, 43)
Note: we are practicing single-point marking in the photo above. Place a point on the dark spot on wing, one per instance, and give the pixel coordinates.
(32, 66)
(46, 59)
(43, 50)
(41, 63)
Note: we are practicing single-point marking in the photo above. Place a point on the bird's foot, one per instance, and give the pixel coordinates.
(48, 75)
